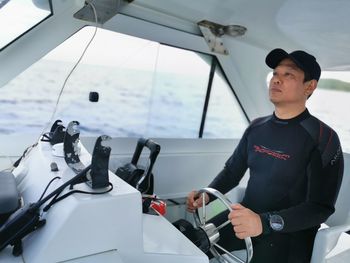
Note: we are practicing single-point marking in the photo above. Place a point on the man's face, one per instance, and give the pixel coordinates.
(287, 84)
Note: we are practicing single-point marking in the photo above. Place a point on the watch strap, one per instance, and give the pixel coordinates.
(265, 221)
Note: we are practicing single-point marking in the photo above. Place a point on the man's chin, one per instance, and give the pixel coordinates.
(274, 100)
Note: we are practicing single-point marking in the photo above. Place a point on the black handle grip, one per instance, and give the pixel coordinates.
(154, 148)
(151, 145)
(154, 151)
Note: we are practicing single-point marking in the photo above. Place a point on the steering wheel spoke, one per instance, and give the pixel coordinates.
(223, 225)
(201, 218)
(212, 231)
(228, 254)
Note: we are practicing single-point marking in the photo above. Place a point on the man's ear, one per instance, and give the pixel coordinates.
(310, 87)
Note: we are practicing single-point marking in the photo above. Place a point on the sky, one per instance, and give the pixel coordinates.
(129, 49)
(118, 50)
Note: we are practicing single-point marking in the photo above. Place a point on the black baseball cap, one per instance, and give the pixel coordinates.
(302, 59)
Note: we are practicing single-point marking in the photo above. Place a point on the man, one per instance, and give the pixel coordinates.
(296, 168)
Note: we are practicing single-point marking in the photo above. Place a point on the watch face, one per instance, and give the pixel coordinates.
(276, 222)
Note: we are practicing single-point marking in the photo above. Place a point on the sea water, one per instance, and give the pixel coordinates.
(130, 106)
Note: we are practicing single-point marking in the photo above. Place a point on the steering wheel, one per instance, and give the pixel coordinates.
(212, 231)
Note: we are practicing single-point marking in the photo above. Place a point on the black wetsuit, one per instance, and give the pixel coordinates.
(296, 169)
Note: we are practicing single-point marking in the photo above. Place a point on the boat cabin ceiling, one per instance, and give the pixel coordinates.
(317, 26)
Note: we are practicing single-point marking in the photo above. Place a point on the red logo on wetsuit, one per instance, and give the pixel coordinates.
(276, 154)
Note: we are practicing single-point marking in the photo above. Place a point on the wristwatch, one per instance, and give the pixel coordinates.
(276, 222)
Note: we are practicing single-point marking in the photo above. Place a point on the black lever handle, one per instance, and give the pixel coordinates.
(151, 145)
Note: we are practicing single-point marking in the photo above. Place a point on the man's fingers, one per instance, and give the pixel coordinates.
(238, 211)
(240, 228)
(194, 201)
(245, 222)
(235, 214)
(237, 206)
(235, 221)
(240, 231)
(190, 201)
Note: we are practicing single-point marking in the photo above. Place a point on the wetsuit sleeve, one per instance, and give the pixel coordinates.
(325, 172)
(235, 168)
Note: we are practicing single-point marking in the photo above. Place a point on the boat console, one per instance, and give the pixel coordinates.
(93, 224)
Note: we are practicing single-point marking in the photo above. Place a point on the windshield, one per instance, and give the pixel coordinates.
(19, 16)
(145, 89)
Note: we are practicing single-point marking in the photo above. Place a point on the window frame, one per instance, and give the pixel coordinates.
(215, 65)
(29, 29)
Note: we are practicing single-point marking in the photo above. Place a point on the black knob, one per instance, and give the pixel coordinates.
(93, 96)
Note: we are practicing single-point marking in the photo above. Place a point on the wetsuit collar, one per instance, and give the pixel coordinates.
(297, 119)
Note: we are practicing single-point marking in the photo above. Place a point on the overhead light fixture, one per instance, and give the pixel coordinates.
(220, 30)
(212, 33)
(234, 30)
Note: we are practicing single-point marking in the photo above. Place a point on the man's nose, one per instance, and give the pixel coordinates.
(276, 80)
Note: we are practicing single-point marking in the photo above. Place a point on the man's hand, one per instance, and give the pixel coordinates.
(194, 201)
(245, 222)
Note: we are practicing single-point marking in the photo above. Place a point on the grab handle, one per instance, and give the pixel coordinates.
(151, 145)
